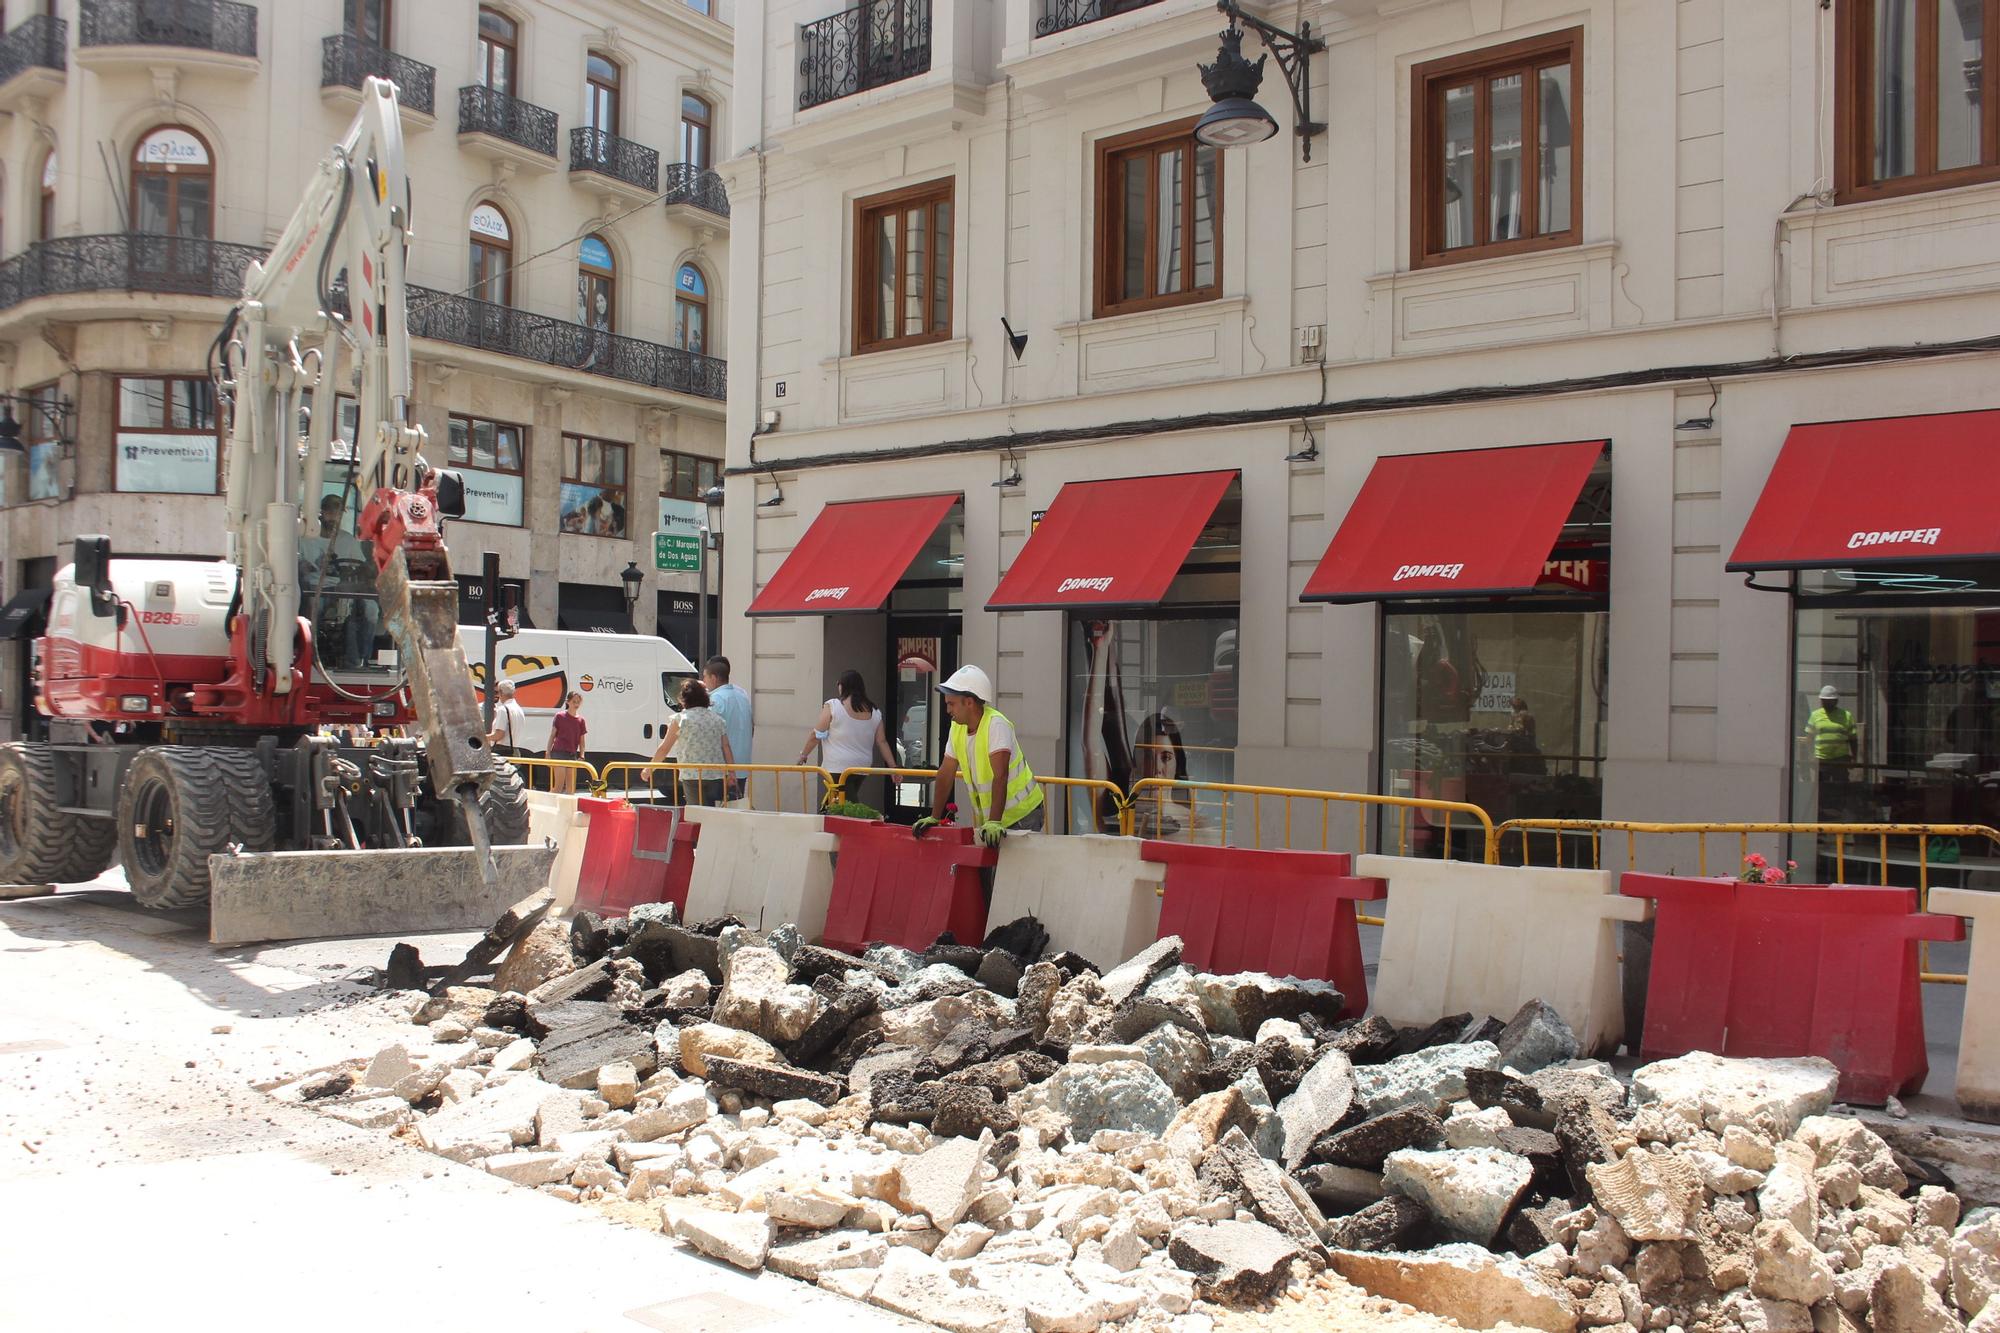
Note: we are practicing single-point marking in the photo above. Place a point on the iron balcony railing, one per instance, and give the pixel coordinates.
(883, 41)
(346, 60)
(484, 111)
(1062, 15)
(35, 43)
(608, 155)
(222, 26)
(468, 322)
(689, 184)
(126, 262)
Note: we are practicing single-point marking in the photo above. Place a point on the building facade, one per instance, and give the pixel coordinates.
(569, 270)
(1441, 451)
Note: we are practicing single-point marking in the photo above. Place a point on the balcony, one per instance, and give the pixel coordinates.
(696, 196)
(506, 129)
(878, 43)
(616, 167)
(33, 61)
(467, 322)
(126, 262)
(211, 36)
(1062, 15)
(346, 62)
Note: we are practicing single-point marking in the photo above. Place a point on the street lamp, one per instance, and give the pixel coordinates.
(57, 415)
(1232, 83)
(631, 578)
(711, 499)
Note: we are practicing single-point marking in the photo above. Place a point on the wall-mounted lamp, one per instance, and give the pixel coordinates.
(1309, 454)
(1013, 477)
(1704, 422)
(1232, 83)
(1017, 341)
(58, 419)
(777, 493)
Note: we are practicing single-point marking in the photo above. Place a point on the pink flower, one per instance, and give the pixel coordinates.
(1755, 861)
(1791, 865)
(1774, 876)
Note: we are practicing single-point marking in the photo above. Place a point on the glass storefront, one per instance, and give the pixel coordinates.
(1153, 692)
(1911, 733)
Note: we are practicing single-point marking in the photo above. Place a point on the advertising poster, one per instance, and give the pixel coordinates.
(593, 511)
(166, 464)
(42, 482)
(492, 497)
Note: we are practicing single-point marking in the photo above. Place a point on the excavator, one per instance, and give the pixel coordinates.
(192, 708)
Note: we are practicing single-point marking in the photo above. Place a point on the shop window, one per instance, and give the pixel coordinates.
(1911, 656)
(492, 254)
(1494, 142)
(687, 476)
(1915, 96)
(697, 123)
(43, 452)
(173, 185)
(902, 288)
(499, 52)
(691, 309)
(1153, 693)
(491, 456)
(168, 437)
(593, 486)
(1159, 220)
(596, 285)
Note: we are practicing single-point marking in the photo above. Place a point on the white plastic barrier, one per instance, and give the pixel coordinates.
(557, 818)
(1979, 1032)
(763, 867)
(1464, 937)
(1091, 892)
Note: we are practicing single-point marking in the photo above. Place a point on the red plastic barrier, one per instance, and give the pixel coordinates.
(1746, 969)
(1286, 913)
(893, 887)
(634, 855)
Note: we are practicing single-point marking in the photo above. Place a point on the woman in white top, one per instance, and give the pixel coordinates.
(849, 734)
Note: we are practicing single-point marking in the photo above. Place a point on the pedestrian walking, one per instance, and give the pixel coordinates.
(510, 721)
(697, 735)
(732, 702)
(566, 741)
(849, 734)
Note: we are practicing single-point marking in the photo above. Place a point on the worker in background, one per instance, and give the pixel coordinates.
(1834, 734)
(984, 750)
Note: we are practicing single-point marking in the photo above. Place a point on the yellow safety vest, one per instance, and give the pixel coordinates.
(1833, 732)
(1024, 794)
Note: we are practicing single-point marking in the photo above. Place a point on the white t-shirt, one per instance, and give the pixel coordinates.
(850, 741)
(511, 721)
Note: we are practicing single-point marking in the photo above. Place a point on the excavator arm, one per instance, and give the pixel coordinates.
(289, 338)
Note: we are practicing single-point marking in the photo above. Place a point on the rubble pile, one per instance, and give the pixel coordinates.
(991, 1140)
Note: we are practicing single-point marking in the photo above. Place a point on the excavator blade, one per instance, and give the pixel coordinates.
(306, 895)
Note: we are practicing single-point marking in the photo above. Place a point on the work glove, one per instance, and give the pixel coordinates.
(924, 825)
(990, 832)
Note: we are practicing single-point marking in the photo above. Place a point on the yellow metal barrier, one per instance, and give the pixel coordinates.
(1842, 835)
(555, 775)
(662, 781)
(1099, 790)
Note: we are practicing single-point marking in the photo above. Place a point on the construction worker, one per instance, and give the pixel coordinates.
(984, 750)
(1834, 733)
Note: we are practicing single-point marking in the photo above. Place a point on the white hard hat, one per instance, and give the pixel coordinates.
(1828, 692)
(969, 680)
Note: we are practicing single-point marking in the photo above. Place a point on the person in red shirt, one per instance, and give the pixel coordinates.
(566, 741)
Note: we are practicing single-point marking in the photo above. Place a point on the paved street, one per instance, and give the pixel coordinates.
(149, 1185)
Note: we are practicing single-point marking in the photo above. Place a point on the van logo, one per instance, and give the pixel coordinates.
(588, 683)
(1920, 536)
(609, 684)
(1427, 572)
(835, 593)
(1099, 584)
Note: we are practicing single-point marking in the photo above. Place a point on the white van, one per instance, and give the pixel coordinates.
(630, 683)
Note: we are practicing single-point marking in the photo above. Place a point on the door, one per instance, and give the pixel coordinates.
(923, 651)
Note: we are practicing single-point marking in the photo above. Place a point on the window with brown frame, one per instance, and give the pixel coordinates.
(1916, 97)
(368, 20)
(493, 455)
(168, 439)
(45, 216)
(499, 51)
(1495, 166)
(173, 184)
(593, 487)
(1159, 220)
(902, 267)
(696, 121)
(687, 476)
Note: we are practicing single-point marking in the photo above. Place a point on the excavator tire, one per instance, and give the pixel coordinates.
(505, 806)
(253, 818)
(174, 812)
(39, 844)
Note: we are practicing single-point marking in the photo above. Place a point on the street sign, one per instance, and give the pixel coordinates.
(677, 545)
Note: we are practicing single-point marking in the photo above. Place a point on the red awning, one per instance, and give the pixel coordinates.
(1888, 491)
(851, 556)
(1470, 523)
(1111, 543)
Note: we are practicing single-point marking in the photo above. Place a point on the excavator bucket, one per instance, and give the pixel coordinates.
(262, 896)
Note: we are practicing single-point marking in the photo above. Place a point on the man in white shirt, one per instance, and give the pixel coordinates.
(510, 721)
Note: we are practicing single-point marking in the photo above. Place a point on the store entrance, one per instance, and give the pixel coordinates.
(922, 651)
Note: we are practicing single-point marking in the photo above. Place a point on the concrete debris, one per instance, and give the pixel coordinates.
(992, 1141)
